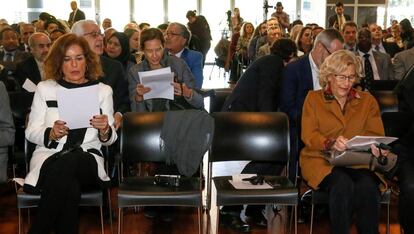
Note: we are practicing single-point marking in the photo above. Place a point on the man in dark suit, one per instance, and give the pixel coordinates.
(258, 88)
(113, 71)
(379, 45)
(32, 68)
(76, 14)
(380, 62)
(300, 77)
(177, 38)
(11, 55)
(338, 20)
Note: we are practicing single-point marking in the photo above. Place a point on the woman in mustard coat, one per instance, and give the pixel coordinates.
(330, 117)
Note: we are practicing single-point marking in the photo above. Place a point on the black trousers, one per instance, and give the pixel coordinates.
(61, 181)
(405, 175)
(353, 191)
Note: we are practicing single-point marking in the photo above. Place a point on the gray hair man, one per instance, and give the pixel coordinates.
(114, 75)
(177, 37)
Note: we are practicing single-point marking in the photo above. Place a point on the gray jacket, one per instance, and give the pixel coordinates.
(6, 131)
(181, 71)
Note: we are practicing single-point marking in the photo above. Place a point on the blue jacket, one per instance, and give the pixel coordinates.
(297, 81)
(194, 61)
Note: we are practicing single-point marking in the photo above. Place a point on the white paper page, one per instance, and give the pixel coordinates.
(29, 86)
(160, 81)
(364, 142)
(238, 183)
(19, 181)
(228, 168)
(77, 106)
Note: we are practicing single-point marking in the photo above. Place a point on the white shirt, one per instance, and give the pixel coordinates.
(315, 73)
(40, 67)
(372, 61)
(381, 48)
(178, 55)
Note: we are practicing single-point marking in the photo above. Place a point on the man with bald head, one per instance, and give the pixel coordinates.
(32, 68)
(113, 71)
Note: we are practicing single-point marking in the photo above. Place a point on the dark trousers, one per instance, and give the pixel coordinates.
(61, 182)
(405, 175)
(353, 191)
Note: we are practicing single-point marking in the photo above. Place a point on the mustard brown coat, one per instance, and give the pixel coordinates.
(323, 119)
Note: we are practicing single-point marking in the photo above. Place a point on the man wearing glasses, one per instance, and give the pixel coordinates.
(177, 37)
(114, 75)
(300, 77)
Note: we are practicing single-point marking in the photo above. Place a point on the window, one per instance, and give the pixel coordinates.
(151, 12)
(177, 14)
(111, 9)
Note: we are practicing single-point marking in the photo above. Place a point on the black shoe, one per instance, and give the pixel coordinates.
(234, 223)
(150, 212)
(166, 213)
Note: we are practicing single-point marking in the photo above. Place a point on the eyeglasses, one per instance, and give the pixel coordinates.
(169, 34)
(329, 52)
(94, 34)
(77, 58)
(343, 78)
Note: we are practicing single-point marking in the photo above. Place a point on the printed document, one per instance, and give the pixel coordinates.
(160, 81)
(365, 142)
(77, 106)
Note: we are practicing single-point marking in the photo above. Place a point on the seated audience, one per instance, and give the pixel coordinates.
(177, 37)
(304, 41)
(331, 116)
(66, 161)
(152, 43)
(117, 48)
(32, 67)
(6, 132)
(378, 43)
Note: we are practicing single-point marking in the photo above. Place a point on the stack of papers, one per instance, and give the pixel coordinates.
(160, 81)
(365, 142)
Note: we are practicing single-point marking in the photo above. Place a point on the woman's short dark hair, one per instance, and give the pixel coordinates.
(191, 13)
(151, 34)
(54, 60)
(285, 48)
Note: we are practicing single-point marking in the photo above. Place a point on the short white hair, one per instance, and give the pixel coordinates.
(78, 27)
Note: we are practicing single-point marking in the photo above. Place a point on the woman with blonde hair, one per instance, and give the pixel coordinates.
(331, 116)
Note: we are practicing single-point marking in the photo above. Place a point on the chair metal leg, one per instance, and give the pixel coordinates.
(217, 219)
(388, 218)
(110, 209)
(296, 219)
(119, 220)
(200, 219)
(20, 220)
(102, 220)
(311, 222)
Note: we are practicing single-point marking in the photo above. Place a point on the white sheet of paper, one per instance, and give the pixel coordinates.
(77, 106)
(228, 168)
(160, 81)
(238, 183)
(29, 86)
(364, 142)
(19, 181)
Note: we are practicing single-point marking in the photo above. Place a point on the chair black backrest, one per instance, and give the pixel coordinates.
(396, 124)
(140, 137)
(387, 100)
(20, 103)
(384, 85)
(217, 101)
(258, 136)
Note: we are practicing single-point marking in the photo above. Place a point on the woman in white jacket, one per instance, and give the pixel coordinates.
(66, 161)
